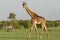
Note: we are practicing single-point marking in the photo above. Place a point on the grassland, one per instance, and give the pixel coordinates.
(22, 34)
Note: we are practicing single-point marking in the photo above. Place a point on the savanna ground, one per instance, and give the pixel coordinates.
(22, 34)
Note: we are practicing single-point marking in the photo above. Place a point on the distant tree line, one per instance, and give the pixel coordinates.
(19, 24)
(24, 24)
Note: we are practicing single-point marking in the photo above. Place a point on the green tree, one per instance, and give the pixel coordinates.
(25, 23)
(12, 16)
(13, 20)
(3, 24)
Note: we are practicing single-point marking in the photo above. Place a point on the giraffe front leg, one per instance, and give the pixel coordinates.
(36, 31)
(30, 31)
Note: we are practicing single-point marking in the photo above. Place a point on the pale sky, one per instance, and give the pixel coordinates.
(50, 9)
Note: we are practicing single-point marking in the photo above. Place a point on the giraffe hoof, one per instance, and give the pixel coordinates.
(41, 37)
(28, 37)
(37, 37)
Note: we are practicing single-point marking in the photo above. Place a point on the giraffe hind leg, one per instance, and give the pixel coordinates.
(44, 27)
(42, 31)
(46, 32)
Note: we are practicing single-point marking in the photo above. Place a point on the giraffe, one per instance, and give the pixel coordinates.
(36, 19)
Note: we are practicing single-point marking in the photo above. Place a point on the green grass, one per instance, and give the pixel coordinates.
(22, 34)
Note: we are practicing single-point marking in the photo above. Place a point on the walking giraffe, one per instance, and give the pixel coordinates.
(36, 19)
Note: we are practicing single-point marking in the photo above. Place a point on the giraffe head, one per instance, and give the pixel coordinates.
(24, 4)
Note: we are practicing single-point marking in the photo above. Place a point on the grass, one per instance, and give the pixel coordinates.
(22, 34)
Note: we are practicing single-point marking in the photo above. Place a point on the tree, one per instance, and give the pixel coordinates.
(13, 20)
(12, 16)
(2, 24)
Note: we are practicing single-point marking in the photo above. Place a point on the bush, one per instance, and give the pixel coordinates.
(21, 27)
(21, 24)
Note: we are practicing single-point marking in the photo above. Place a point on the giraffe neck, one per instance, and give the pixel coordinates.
(30, 12)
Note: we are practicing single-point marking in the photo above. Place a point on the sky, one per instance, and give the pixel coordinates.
(50, 9)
